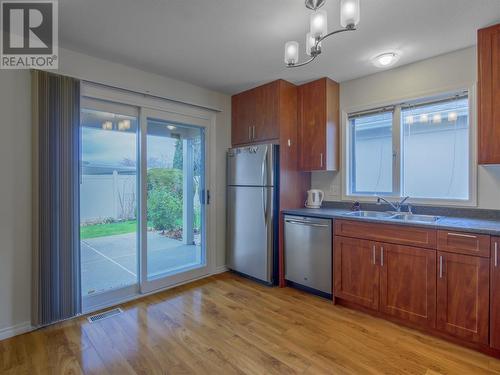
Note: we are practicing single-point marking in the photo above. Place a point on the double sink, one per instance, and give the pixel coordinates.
(397, 216)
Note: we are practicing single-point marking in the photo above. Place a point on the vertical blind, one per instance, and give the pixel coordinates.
(56, 147)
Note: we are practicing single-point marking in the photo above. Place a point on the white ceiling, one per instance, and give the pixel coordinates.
(231, 45)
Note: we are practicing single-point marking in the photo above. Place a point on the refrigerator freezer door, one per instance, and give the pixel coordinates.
(250, 231)
(250, 166)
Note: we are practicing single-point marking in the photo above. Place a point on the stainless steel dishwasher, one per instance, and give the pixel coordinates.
(308, 254)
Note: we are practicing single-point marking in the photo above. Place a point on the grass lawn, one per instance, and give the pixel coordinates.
(102, 230)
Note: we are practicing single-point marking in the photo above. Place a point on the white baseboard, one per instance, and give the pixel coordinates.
(15, 330)
(221, 269)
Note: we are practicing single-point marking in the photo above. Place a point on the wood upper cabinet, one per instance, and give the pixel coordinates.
(463, 296)
(318, 125)
(408, 283)
(356, 274)
(255, 114)
(489, 95)
(267, 99)
(243, 117)
(495, 293)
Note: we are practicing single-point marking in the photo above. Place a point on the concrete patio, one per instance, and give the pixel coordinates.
(110, 262)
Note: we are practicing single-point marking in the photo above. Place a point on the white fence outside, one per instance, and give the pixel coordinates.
(107, 196)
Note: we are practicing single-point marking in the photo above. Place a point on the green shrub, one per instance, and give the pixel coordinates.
(165, 198)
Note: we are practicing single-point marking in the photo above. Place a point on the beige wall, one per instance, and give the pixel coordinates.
(15, 200)
(438, 74)
(15, 166)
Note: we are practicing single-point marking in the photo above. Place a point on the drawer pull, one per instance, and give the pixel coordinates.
(496, 254)
(461, 235)
(440, 266)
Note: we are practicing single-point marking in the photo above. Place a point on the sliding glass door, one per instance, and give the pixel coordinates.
(108, 201)
(142, 201)
(174, 185)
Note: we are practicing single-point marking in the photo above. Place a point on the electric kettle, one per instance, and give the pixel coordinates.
(314, 198)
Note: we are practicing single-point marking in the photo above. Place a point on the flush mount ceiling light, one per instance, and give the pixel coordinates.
(385, 60)
(349, 19)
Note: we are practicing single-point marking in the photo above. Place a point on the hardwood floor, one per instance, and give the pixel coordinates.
(229, 325)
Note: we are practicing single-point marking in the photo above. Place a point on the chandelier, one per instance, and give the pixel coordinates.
(349, 19)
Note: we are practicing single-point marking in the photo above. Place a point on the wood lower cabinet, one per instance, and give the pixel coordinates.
(408, 283)
(454, 293)
(495, 293)
(463, 296)
(356, 273)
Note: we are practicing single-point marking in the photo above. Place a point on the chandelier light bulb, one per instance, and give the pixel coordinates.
(319, 25)
(291, 53)
(310, 43)
(349, 13)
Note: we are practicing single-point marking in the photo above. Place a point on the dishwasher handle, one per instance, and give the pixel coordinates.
(306, 223)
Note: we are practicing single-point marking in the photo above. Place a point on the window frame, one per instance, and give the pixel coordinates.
(395, 162)
(397, 134)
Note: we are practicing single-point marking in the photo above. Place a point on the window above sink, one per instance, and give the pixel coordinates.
(422, 148)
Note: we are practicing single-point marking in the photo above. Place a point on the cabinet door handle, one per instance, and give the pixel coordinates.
(373, 255)
(249, 133)
(253, 132)
(496, 254)
(382, 256)
(462, 235)
(321, 160)
(440, 266)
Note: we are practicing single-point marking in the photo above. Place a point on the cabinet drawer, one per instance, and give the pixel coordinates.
(464, 243)
(398, 234)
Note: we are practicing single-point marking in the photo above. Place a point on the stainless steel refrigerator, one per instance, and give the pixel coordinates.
(252, 211)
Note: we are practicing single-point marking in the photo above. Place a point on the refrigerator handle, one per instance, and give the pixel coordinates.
(264, 169)
(264, 203)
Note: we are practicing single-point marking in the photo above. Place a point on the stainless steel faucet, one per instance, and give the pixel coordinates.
(395, 205)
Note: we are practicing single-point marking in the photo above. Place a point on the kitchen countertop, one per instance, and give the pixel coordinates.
(462, 224)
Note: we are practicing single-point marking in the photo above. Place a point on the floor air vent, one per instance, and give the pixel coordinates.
(104, 315)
